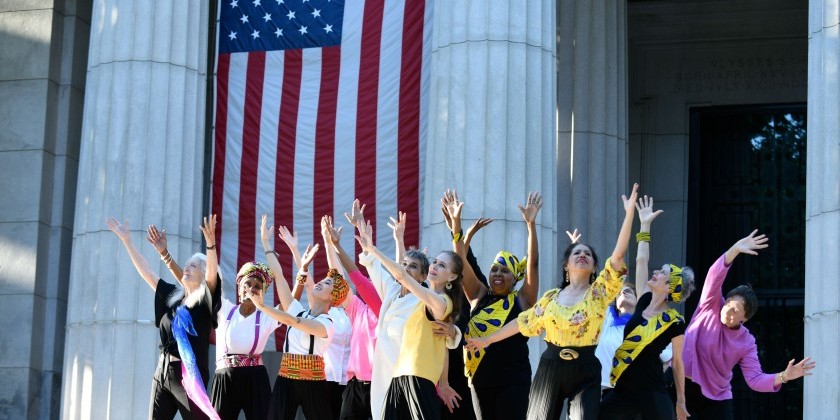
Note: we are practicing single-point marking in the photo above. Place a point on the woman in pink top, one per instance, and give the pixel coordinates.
(364, 315)
(716, 340)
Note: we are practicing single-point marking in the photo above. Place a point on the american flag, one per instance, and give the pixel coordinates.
(317, 102)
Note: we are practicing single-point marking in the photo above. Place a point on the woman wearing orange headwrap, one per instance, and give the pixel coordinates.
(301, 381)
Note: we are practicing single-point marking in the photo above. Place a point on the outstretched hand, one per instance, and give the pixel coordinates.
(398, 226)
(266, 232)
(365, 237)
(328, 230)
(289, 238)
(475, 227)
(208, 228)
(630, 203)
(451, 204)
(120, 229)
(574, 236)
(796, 371)
(532, 207)
(357, 214)
(156, 238)
(308, 256)
(751, 243)
(645, 208)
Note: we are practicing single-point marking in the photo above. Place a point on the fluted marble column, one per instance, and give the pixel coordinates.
(141, 159)
(822, 223)
(492, 124)
(591, 120)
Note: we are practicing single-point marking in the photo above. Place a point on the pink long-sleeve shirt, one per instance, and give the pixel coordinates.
(364, 315)
(712, 349)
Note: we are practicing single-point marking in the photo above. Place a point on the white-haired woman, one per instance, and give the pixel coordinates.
(184, 317)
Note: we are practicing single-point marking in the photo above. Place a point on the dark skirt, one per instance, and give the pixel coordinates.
(557, 379)
(310, 396)
(243, 388)
(411, 397)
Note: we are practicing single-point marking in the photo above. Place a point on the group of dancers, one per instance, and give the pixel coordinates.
(377, 347)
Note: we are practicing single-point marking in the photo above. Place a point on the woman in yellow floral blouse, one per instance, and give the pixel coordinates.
(571, 318)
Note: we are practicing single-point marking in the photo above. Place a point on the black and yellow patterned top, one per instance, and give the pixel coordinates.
(578, 325)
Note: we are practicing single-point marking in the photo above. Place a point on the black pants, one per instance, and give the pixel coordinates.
(289, 394)
(500, 402)
(558, 379)
(647, 405)
(411, 397)
(244, 388)
(169, 396)
(355, 401)
(701, 408)
(334, 393)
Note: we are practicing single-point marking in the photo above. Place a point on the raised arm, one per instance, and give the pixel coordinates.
(529, 290)
(398, 226)
(747, 245)
(473, 289)
(208, 228)
(433, 301)
(158, 240)
(280, 283)
(309, 326)
(291, 241)
(617, 257)
(646, 217)
(140, 264)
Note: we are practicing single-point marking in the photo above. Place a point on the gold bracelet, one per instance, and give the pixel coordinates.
(167, 259)
(301, 278)
(782, 377)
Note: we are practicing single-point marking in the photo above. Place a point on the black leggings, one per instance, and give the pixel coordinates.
(289, 394)
(701, 408)
(645, 405)
(505, 402)
(558, 379)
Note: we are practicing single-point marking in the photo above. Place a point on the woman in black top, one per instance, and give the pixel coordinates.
(200, 299)
(499, 375)
(636, 368)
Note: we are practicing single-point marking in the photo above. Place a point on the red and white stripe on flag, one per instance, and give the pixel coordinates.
(299, 133)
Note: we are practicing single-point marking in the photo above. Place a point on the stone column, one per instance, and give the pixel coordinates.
(822, 209)
(591, 121)
(142, 160)
(492, 124)
(43, 51)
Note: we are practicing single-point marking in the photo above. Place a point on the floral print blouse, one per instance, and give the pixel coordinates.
(578, 325)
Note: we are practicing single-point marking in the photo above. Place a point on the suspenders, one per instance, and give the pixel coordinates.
(311, 337)
(256, 329)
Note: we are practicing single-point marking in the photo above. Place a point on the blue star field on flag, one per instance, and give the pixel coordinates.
(270, 25)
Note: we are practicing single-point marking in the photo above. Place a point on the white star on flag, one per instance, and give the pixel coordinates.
(257, 3)
(278, 32)
(234, 3)
(244, 19)
(316, 13)
(255, 34)
(232, 35)
(291, 15)
(267, 17)
(302, 30)
(328, 28)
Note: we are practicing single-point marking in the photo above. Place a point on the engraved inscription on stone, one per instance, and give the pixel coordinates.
(744, 73)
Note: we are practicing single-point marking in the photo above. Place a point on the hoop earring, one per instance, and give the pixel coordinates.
(449, 285)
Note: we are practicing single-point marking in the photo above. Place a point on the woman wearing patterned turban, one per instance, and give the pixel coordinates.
(499, 374)
(241, 381)
(636, 367)
(301, 381)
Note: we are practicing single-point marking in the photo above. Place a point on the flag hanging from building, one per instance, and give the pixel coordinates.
(318, 102)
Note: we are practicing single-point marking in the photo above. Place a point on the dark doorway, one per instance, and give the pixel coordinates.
(747, 171)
